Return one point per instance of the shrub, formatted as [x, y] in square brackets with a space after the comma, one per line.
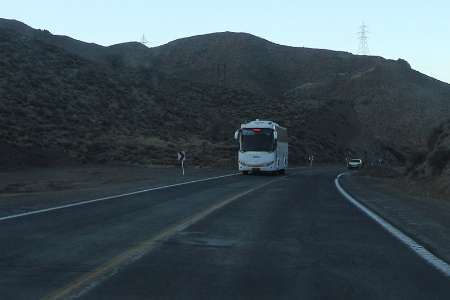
[438, 160]
[415, 160]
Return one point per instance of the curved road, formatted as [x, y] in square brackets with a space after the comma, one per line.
[237, 237]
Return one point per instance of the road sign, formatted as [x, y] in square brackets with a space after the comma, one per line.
[182, 157]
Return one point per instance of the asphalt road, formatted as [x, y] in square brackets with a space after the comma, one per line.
[238, 237]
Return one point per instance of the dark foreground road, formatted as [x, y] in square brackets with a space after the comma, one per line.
[240, 237]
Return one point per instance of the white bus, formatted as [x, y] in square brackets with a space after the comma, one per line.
[263, 146]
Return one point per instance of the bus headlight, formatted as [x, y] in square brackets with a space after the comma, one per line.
[268, 164]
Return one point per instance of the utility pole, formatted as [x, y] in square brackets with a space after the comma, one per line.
[144, 41]
[363, 48]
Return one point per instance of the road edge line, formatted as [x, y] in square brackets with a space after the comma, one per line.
[80, 203]
[436, 262]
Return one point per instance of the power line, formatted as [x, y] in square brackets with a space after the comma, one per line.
[363, 47]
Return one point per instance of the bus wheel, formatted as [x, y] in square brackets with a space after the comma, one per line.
[244, 172]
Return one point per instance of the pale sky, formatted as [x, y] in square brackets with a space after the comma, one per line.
[418, 31]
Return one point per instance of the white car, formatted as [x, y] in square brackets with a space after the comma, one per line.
[355, 163]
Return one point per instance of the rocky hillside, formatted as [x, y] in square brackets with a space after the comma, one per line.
[434, 163]
[54, 104]
[65, 100]
[397, 107]
[390, 108]
[241, 60]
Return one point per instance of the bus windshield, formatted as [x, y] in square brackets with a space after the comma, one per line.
[257, 139]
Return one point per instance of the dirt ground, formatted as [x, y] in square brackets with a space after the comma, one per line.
[408, 205]
[32, 180]
[393, 182]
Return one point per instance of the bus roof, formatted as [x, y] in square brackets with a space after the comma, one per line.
[261, 124]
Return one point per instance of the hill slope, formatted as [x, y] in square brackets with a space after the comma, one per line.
[395, 107]
[128, 102]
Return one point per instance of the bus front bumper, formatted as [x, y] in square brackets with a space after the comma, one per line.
[258, 168]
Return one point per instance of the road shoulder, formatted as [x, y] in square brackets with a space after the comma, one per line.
[425, 219]
[88, 182]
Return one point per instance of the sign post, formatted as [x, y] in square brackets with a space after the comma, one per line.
[182, 157]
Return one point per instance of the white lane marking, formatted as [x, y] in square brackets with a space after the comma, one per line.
[40, 211]
[420, 250]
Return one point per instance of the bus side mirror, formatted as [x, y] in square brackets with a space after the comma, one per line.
[275, 135]
[236, 134]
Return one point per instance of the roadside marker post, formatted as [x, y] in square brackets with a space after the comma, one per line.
[182, 157]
